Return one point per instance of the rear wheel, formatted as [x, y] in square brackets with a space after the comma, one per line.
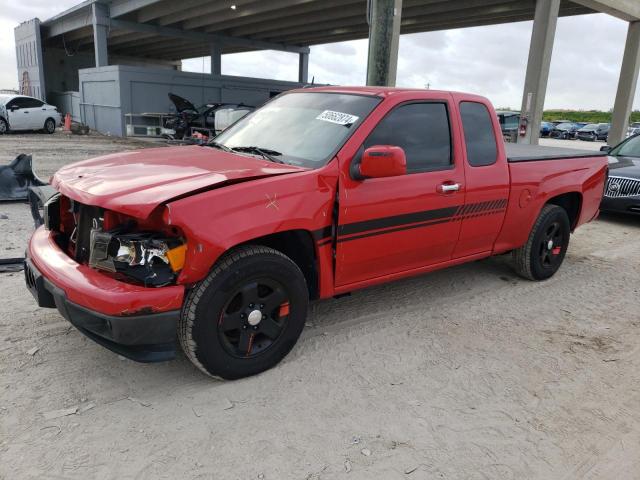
[50, 125]
[246, 315]
[546, 247]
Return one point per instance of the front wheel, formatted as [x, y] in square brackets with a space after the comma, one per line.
[4, 126]
[542, 255]
[246, 315]
[50, 125]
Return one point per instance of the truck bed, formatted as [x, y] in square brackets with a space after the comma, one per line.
[518, 152]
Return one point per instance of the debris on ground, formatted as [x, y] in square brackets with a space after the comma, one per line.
[227, 404]
[139, 402]
[347, 465]
[17, 177]
[32, 351]
[366, 452]
[410, 470]
[11, 264]
[4, 216]
[64, 412]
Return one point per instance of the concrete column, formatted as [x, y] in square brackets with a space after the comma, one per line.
[535, 82]
[303, 67]
[626, 85]
[216, 59]
[384, 38]
[100, 20]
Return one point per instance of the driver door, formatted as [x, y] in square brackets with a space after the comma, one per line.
[396, 224]
[18, 116]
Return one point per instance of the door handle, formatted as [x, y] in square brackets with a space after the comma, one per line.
[449, 187]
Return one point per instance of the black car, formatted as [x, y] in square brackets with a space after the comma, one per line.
[622, 191]
[210, 118]
[564, 131]
[593, 132]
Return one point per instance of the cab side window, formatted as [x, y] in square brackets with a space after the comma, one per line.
[422, 131]
[478, 134]
[18, 102]
[32, 103]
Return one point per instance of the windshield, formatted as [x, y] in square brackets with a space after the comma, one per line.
[303, 128]
[628, 148]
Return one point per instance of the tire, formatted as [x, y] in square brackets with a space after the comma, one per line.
[219, 329]
[49, 125]
[538, 259]
[4, 126]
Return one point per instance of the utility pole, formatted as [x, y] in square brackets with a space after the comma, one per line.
[384, 18]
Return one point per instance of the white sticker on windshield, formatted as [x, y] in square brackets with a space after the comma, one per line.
[337, 117]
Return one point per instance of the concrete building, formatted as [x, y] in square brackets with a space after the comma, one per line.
[104, 58]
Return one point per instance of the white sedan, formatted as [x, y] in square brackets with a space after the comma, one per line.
[18, 112]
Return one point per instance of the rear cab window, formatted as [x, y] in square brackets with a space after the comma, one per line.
[422, 130]
[479, 137]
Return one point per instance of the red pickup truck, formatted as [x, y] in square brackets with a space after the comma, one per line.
[320, 192]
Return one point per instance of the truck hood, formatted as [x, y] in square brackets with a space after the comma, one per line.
[136, 182]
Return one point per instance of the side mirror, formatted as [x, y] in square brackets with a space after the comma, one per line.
[605, 148]
[13, 108]
[383, 161]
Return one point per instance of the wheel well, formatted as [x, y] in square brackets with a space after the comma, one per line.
[572, 203]
[299, 246]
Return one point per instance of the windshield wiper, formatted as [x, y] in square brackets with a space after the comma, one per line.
[219, 146]
[263, 152]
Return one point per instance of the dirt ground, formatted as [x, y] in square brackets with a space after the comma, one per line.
[467, 373]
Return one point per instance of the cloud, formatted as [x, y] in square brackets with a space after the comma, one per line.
[488, 60]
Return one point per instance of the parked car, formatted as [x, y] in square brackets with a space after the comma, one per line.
[633, 129]
[593, 132]
[19, 112]
[545, 128]
[320, 192]
[509, 122]
[622, 193]
[209, 118]
[565, 131]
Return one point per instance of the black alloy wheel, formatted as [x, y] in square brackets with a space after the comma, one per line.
[541, 257]
[246, 315]
[254, 318]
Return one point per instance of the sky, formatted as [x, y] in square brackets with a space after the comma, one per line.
[489, 61]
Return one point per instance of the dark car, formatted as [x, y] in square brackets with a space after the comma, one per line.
[622, 191]
[564, 131]
[545, 128]
[593, 132]
[210, 118]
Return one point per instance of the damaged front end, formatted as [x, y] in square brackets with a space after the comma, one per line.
[136, 251]
[145, 257]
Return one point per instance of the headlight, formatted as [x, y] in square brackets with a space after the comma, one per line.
[149, 258]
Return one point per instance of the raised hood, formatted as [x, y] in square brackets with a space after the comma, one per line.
[136, 182]
[182, 104]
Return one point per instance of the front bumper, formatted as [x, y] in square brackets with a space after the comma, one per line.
[621, 205]
[136, 322]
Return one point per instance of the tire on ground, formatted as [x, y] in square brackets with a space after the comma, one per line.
[527, 260]
[198, 330]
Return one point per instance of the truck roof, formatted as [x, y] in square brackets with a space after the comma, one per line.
[377, 91]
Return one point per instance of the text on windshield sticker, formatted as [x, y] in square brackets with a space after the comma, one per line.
[337, 117]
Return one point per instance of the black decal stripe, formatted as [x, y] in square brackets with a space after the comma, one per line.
[393, 230]
[324, 242]
[397, 220]
[322, 233]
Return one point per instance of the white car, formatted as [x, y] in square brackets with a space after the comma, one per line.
[19, 112]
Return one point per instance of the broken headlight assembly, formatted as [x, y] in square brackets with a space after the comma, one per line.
[149, 258]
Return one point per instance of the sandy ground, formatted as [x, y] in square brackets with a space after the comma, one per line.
[467, 373]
